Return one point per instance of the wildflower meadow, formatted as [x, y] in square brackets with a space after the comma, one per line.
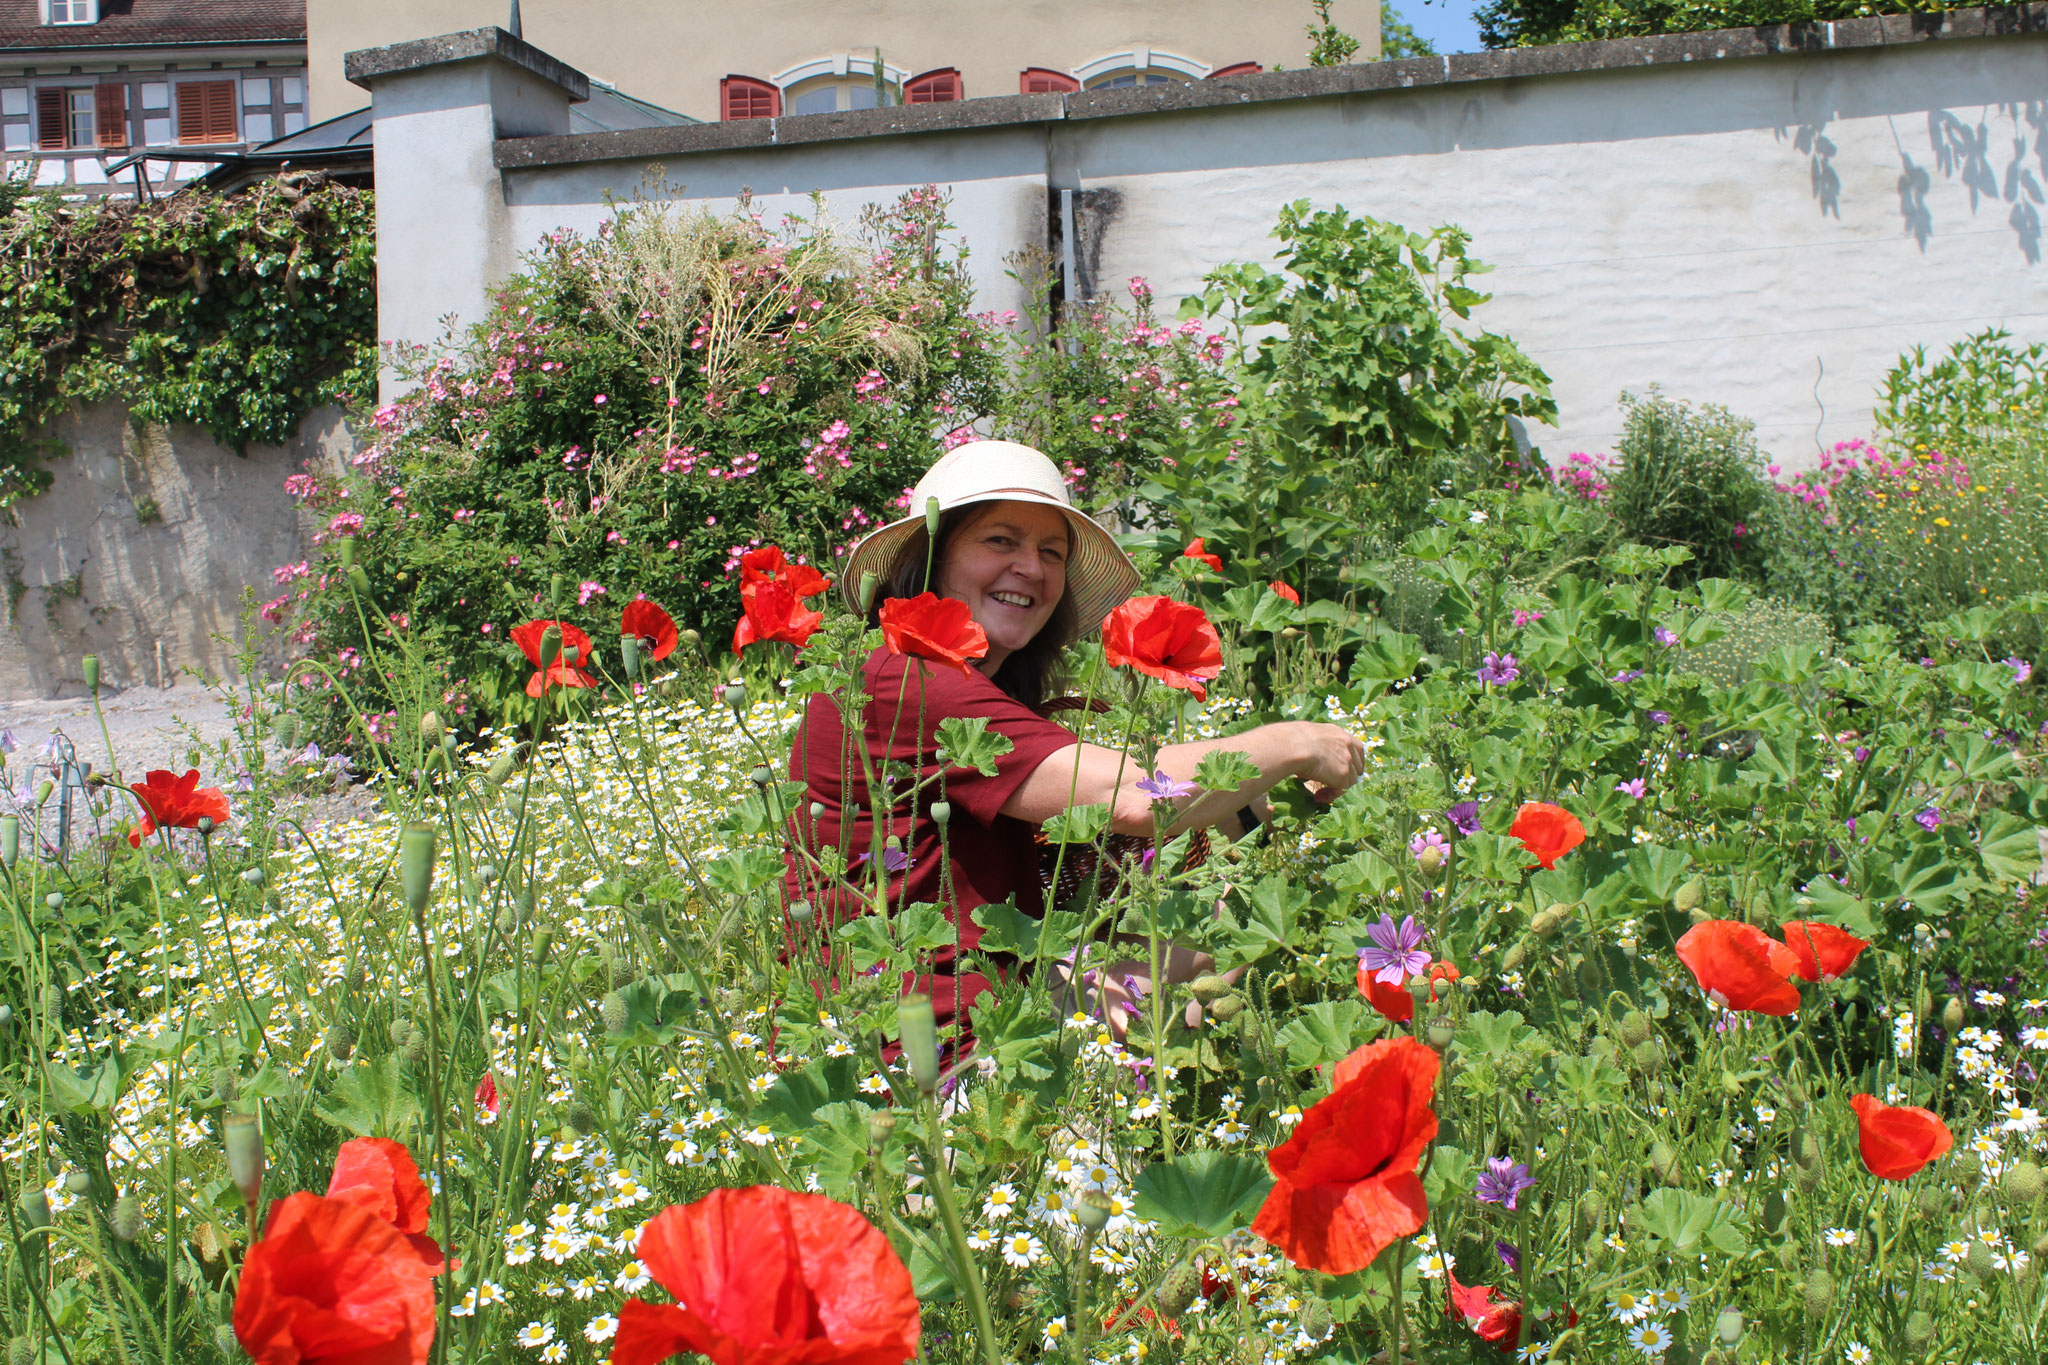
[1668, 990]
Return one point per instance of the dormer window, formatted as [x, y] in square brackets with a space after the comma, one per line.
[71, 11]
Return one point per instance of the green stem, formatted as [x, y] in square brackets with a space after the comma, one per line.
[949, 1214]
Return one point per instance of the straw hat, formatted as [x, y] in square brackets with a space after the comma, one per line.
[1099, 575]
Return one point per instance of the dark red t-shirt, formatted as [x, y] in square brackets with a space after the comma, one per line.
[989, 856]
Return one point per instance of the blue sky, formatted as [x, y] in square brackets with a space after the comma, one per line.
[1446, 23]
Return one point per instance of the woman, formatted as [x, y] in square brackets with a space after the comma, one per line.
[1036, 575]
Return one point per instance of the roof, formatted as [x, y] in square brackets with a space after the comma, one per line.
[140, 23]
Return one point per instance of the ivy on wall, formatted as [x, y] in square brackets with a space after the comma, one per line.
[236, 313]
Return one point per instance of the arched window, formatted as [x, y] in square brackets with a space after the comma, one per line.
[744, 97]
[934, 87]
[1241, 69]
[1039, 80]
[843, 81]
[1139, 66]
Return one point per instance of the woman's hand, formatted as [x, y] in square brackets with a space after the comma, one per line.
[1335, 758]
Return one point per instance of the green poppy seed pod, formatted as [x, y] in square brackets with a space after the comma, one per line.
[1919, 1332]
[543, 939]
[10, 840]
[431, 727]
[1441, 1032]
[802, 912]
[558, 587]
[931, 517]
[736, 696]
[919, 1034]
[345, 552]
[1209, 989]
[581, 1119]
[1093, 1210]
[89, 666]
[78, 1183]
[2023, 1184]
[43, 791]
[1227, 1009]
[1774, 1211]
[612, 1009]
[690, 638]
[1687, 898]
[880, 1128]
[550, 647]
[252, 875]
[629, 657]
[244, 1142]
[204, 824]
[817, 810]
[1981, 1261]
[6, 1017]
[126, 1219]
[341, 1042]
[1952, 1014]
[500, 770]
[1648, 1057]
[1933, 1201]
[1550, 919]
[869, 585]
[942, 813]
[1177, 1291]
[1819, 1293]
[35, 1207]
[55, 900]
[1728, 1326]
[760, 776]
[418, 846]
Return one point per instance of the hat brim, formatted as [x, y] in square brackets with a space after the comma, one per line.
[1100, 576]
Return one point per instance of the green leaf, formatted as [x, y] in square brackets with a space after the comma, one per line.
[1203, 1194]
[374, 1100]
[1834, 905]
[793, 1101]
[1590, 1082]
[2009, 847]
[1272, 907]
[1324, 1033]
[967, 742]
[834, 1144]
[1658, 871]
[1677, 1219]
[1019, 1033]
[743, 872]
[1978, 759]
[1223, 770]
[1006, 929]
[1078, 824]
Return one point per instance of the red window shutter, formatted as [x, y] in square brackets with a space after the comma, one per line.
[50, 120]
[111, 116]
[934, 87]
[1038, 80]
[206, 112]
[744, 97]
[220, 111]
[1241, 69]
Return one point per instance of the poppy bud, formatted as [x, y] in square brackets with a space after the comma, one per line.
[10, 840]
[2040, 1248]
[1688, 897]
[35, 1207]
[89, 667]
[1550, 919]
[417, 847]
[582, 1119]
[244, 1142]
[869, 584]
[1805, 1147]
[1177, 1291]
[1952, 1014]
[1933, 1201]
[126, 1219]
[1516, 956]
[500, 770]
[515, 806]
[558, 585]
[1664, 1162]
[880, 1128]
[2023, 1183]
[341, 1042]
[1923, 1003]
[431, 728]
[1919, 1331]
[1093, 1210]
[22, 1351]
[614, 1012]
[1981, 1261]
[1227, 1009]
[802, 912]
[227, 1086]
[1728, 1326]
[942, 813]
[6, 1017]
[1209, 989]
[629, 656]
[919, 1034]
[543, 939]
[1774, 1211]
[1819, 1293]
[1648, 1057]
[78, 1183]
[507, 921]
[43, 791]
[690, 638]
[1589, 974]
[345, 552]
[931, 517]
[1316, 1319]
[1969, 1166]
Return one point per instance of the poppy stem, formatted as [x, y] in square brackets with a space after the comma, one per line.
[956, 1233]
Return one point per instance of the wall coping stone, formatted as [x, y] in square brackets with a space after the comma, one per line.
[1019, 111]
[370, 64]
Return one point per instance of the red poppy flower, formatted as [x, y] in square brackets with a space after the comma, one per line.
[1171, 641]
[379, 1175]
[1897, 1140]
[1196, 551]
[331, 1283]
[1548, 832]
[654, 628]
[1392, 1000]
[567, 668]
[933, 627]
[1284, 591]
[179, 802]
[769, 565]
[1825, 952]
[487, 1094]
[1496, 1324]
[766, 1276]
[1345, 1181]
[1740, 966]
[775, 614]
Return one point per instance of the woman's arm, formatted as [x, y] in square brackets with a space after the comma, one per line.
[1089, 774]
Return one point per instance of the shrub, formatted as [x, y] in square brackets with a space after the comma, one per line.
[1687, 476]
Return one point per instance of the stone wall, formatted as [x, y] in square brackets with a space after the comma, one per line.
[142, 548]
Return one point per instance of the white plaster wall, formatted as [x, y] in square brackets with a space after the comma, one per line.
[1770, 234]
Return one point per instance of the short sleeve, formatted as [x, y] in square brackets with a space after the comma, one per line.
[911, 698]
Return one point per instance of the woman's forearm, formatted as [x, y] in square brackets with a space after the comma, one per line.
[1278, 751]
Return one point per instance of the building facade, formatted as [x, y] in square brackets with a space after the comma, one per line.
[715, 60]
[113, 96]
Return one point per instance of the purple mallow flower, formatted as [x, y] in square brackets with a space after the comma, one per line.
[896, 860]
[1930, 818]
[1396, 950]
[2021, 669]
[1160, 787]
[1509, 1255]
[1502, 1182]
[1633, 787]
[1666, 637]
[1627, 675]
[1464, 817]
[1427, 840]
[1660, 718]
[1498, 670]
[1862, 753]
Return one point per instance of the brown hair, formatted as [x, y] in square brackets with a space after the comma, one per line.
[1030, 674]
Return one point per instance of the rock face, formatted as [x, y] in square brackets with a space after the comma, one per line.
[142, 547]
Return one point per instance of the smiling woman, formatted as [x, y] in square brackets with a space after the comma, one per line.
[992, 532]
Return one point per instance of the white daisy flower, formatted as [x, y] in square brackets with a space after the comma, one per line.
[1859, 1354]
[535, 1335]
[1627, 1307]
[1652, 1338]
[1023, 1250]
[600, 1328]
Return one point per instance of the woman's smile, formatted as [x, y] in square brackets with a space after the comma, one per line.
[1009, 565]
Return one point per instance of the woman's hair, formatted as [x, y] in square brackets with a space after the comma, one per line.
[1031, 674]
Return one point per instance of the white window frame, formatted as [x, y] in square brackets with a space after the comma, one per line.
[1140, 59]
[72, 11]
[840, 65]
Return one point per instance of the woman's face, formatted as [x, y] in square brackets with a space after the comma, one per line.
[1009, 565]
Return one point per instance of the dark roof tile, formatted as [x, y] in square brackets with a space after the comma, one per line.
[123, 22]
